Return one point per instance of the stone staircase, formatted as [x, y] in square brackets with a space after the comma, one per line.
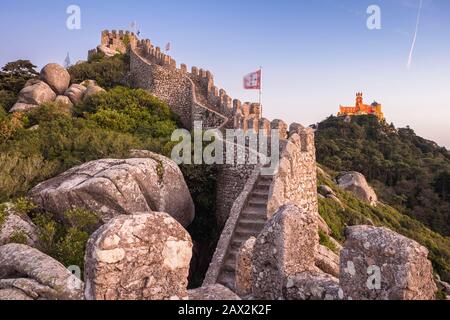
[250, 223]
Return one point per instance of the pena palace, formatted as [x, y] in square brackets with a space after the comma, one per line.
[362, 109]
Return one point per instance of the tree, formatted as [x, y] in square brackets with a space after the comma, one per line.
[14, 75]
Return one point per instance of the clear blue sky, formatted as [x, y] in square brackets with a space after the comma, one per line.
[316, 54]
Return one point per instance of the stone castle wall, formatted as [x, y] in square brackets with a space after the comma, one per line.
[167, 84]
[296, 179]
[118, 40]
[194, 97]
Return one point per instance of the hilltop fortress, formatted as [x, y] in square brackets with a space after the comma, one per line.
[362, 109]
[246, 199]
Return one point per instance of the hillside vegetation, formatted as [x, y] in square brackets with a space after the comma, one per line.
[409, 173]
[352, 211]
[49, 140]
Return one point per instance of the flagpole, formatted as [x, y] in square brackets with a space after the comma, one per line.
[260, 92]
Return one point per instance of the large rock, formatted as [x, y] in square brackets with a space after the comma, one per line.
[64, 101]
[215, 292]
[327, 261]
[311, 285]
[379, 264]
[92, 90]
[140, 257]
[115, 187]
[36, 94]
[356, 183]
[37, 275]
[17, 226]
[75, 93]
[285, 247]
[11, 294]
[56, 77]
[325, 190]
[244, 270]
[22, 107]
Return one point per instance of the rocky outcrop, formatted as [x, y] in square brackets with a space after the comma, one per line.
[115, 187]
[64, 100]
[356, 183]
[325, 190]
[22, 107]
[25, 271]
[244, 270]
[327, 261]
[17, 226]
[92, 90]
[33, 95]
[56, 77]
[215, 292]
[11, 294]
[311, 285]
[379, 264]
[139, 257]
[285, 247]
[53, 87]
[328, 193]
[75, 93]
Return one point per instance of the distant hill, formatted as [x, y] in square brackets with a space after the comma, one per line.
[409, 173]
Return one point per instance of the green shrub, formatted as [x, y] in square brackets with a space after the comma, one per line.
[7, 100]
[10, 125]
[47, 233]
[326, 242]
[82, 219]
[107, 72]
[23, 206]
[18, 237]
[66, 240]
[3, 214]
[70, 249]
[131, 111]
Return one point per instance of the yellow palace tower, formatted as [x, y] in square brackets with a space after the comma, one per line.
[362, 109]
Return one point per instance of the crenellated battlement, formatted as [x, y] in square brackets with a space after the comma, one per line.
[207, 92]
[209, 103]
[118, 40]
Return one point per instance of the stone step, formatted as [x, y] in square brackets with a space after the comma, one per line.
[253, 217]
[264, 183]
[256, 200]
[227, 279]
[266, 178]
[260, 195]
[237, 243]
[232, 254]
[246, 233]
[229, 265]
[255, 224]
[249, 210]
[262, 188]
[257, 205]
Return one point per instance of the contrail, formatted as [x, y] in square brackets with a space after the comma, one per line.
[415, 35]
